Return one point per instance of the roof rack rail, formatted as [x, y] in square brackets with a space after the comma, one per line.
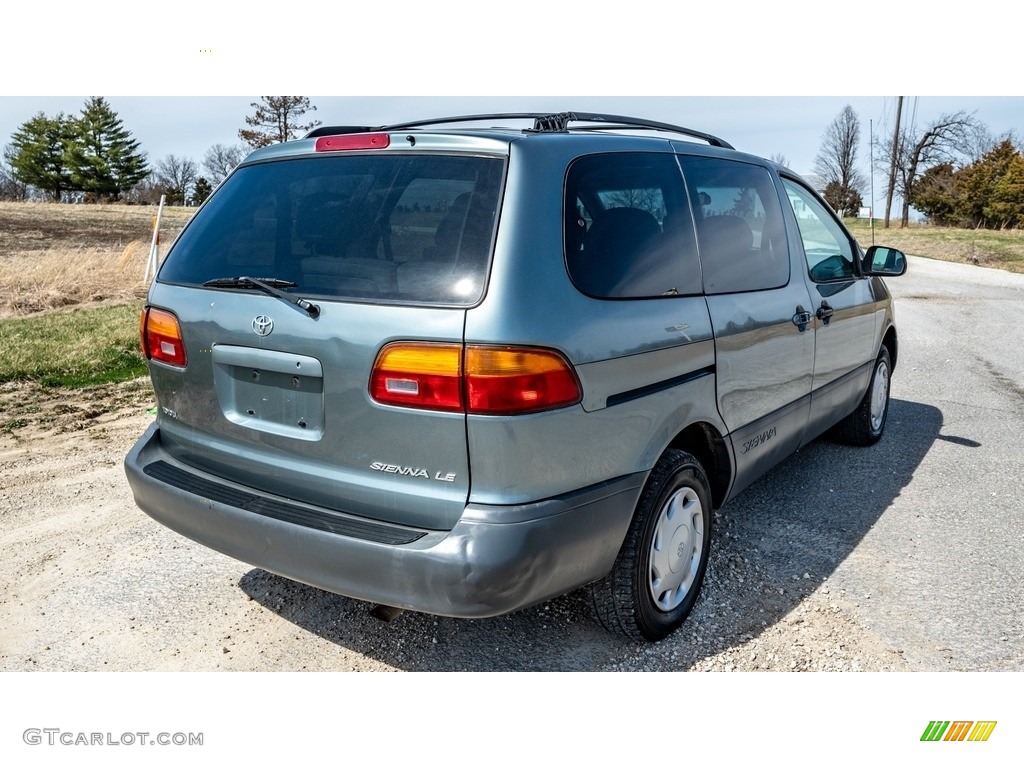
[334, 130]
[621, 122]
[542, 123]
[466, 119]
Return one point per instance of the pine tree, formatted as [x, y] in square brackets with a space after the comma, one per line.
[935, 194]
[200, 191]
[975, 184]
[39, 153]
[846, 202]
[104, 158]
[276, 120]
[1006, 206]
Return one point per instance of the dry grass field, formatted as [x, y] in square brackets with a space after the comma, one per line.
[71, 286]
[1001, 249]
[54, 255]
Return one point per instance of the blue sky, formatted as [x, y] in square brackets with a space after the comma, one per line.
[762, 125]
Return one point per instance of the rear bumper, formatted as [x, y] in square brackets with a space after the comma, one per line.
[496, 559]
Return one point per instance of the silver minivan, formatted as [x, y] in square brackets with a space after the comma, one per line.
[462, 369]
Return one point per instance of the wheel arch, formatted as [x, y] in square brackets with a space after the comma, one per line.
[890, 341]
[706, 444]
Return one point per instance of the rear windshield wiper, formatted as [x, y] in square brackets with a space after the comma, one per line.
[271, 285]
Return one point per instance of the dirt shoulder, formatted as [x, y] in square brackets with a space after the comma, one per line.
[30, 414]
[89, 582]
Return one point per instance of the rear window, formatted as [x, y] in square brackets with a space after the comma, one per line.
[414, 229]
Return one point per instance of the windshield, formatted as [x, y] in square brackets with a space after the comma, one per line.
[414, 229]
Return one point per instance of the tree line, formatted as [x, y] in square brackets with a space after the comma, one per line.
[985, 194]
[952, 170]
[92, 157]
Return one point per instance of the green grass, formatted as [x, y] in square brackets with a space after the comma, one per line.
[80, 348]
[1003, 249]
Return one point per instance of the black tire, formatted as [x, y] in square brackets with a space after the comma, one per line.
[866, 424]
[625, 600]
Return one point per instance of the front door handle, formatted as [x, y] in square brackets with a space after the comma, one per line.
[825, 313]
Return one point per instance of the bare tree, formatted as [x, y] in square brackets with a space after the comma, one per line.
[781, 159]
[980, 142]
[945, 140]
[220, 160]
[10, 187]
[146, 192]
[176, 175]
[276, 119]
[836, 161]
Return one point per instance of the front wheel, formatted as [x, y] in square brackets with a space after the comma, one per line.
[865, 425]
[660, 568]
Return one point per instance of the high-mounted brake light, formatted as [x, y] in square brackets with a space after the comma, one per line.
[497, 381]
[352, 141]
[161, 339]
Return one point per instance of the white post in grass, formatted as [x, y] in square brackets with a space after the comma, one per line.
[154, 246]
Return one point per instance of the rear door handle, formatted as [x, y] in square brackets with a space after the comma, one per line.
[825, 313]
[802, 318]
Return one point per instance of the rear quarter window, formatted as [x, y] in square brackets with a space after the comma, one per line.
[628, 227]
[414, 229]
[739, 225]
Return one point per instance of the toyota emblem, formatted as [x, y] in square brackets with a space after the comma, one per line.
[262, 325]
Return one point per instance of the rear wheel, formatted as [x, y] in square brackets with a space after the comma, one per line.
[658, 573]
[865, 425]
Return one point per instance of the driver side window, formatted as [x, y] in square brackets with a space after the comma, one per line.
[828, 250]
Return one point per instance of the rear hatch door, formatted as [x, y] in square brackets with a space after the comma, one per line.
[384, 246]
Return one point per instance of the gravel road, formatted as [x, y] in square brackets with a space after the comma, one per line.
[904, 556]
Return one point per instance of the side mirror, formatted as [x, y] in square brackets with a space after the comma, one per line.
[884, 261]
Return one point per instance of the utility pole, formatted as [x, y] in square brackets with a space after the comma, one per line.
[871, 168]
[892, 161]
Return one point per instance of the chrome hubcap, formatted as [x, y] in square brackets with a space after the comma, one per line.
[879, 396]
[676, 548]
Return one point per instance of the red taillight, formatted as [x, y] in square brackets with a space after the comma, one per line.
[352, 141]
[161, 337]
[508, 380]
[498, 381]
